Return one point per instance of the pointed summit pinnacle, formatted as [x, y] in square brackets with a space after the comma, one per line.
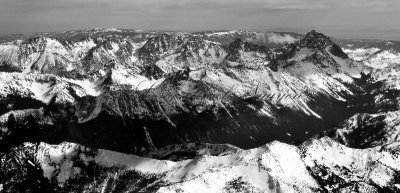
[314, 39]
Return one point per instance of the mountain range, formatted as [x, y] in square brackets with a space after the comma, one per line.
[119, 110]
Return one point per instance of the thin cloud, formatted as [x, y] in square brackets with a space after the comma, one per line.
[274, 38]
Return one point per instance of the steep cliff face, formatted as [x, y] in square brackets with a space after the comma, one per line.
[175, 95]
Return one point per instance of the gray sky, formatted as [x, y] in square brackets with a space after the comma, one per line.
[379, 19]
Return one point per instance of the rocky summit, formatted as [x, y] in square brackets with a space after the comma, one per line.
[119, 110]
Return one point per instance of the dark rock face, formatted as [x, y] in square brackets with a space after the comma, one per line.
[365, 131]
[18, 103]
[240, 45]
[337, 51]
[157, 45]
[312, 40]
[315, 40]
[319, 41]
[21, 173]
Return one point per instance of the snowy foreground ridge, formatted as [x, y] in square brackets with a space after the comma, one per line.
[117, 110]
[318, 164]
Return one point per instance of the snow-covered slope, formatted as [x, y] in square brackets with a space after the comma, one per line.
[60, 57]
[317, 165]
[43, 87]
[375, 57]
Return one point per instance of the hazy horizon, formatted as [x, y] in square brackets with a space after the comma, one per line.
[361, 19]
